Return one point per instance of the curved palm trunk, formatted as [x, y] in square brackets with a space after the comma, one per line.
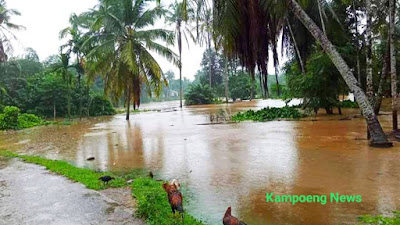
[378, 137]
[392, 13]
[3, 55]
[370, 87]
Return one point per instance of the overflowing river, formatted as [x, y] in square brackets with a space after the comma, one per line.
[235, 164]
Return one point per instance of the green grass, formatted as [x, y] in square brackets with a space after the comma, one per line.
[152, 201]
[152, 204]
[268, 114]
[87, 177]
[380, 220]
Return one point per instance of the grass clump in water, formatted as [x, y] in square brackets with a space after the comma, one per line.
[153, 206]
[267, 114]
[87, 177]
[380, 220]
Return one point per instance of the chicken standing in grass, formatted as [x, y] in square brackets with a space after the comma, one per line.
[174, 197]
[231, 220]
[106, 179]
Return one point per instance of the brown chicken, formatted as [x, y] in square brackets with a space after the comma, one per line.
[174, 197]
[231, 220]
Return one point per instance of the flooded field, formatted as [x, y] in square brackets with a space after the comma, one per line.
[235, 164]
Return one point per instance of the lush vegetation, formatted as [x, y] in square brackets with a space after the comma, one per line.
[199, 94]
[380, 220]
[152, 204]
[268, 114]
[37, 88]
[11, 118]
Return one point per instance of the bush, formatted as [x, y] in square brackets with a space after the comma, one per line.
[349, 104]
[199, 94]
[12, 119]
[101, 106]
[267, 114]
[28, 120]
[9, 118]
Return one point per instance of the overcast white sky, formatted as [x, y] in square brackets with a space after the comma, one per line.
[44, 19]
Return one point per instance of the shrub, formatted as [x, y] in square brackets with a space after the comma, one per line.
[9, 118]
[199, 94]
[349, 104]
[268, 114]
[28, 120]
[100, 105]
[12, 119]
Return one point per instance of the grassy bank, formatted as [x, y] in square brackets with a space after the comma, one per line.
[152, 204]
[87, 177]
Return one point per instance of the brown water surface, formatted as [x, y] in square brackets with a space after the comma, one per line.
[223, 164]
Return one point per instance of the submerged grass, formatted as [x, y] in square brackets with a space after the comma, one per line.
[267, 114]
[381, 220]
[152, 204]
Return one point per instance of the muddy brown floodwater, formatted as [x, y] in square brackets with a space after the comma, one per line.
[226, 164]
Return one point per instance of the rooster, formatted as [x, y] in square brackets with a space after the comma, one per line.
[174, 197]
[231, 220]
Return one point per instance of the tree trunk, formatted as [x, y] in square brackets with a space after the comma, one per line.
[321, 17]
[210, 59]
[392, 13]
[368, 31]
[226, 80]
[128, 103]
[303, 71]
[3, 55]
[54, 111]
[384, 73]
[180, 65]
[357, 43]
[262, 85]
[378, 137]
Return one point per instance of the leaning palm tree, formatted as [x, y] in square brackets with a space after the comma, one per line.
[120, 43]
[245, 46]
[178, 15]
[6, 28]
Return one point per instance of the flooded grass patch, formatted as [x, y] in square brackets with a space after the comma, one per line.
[152, 204]
[267, 114]
[377, 220]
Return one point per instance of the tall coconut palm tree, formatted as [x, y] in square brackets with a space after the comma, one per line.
[178, 15]
[6, 29]
[121, 42]
[245, 48]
